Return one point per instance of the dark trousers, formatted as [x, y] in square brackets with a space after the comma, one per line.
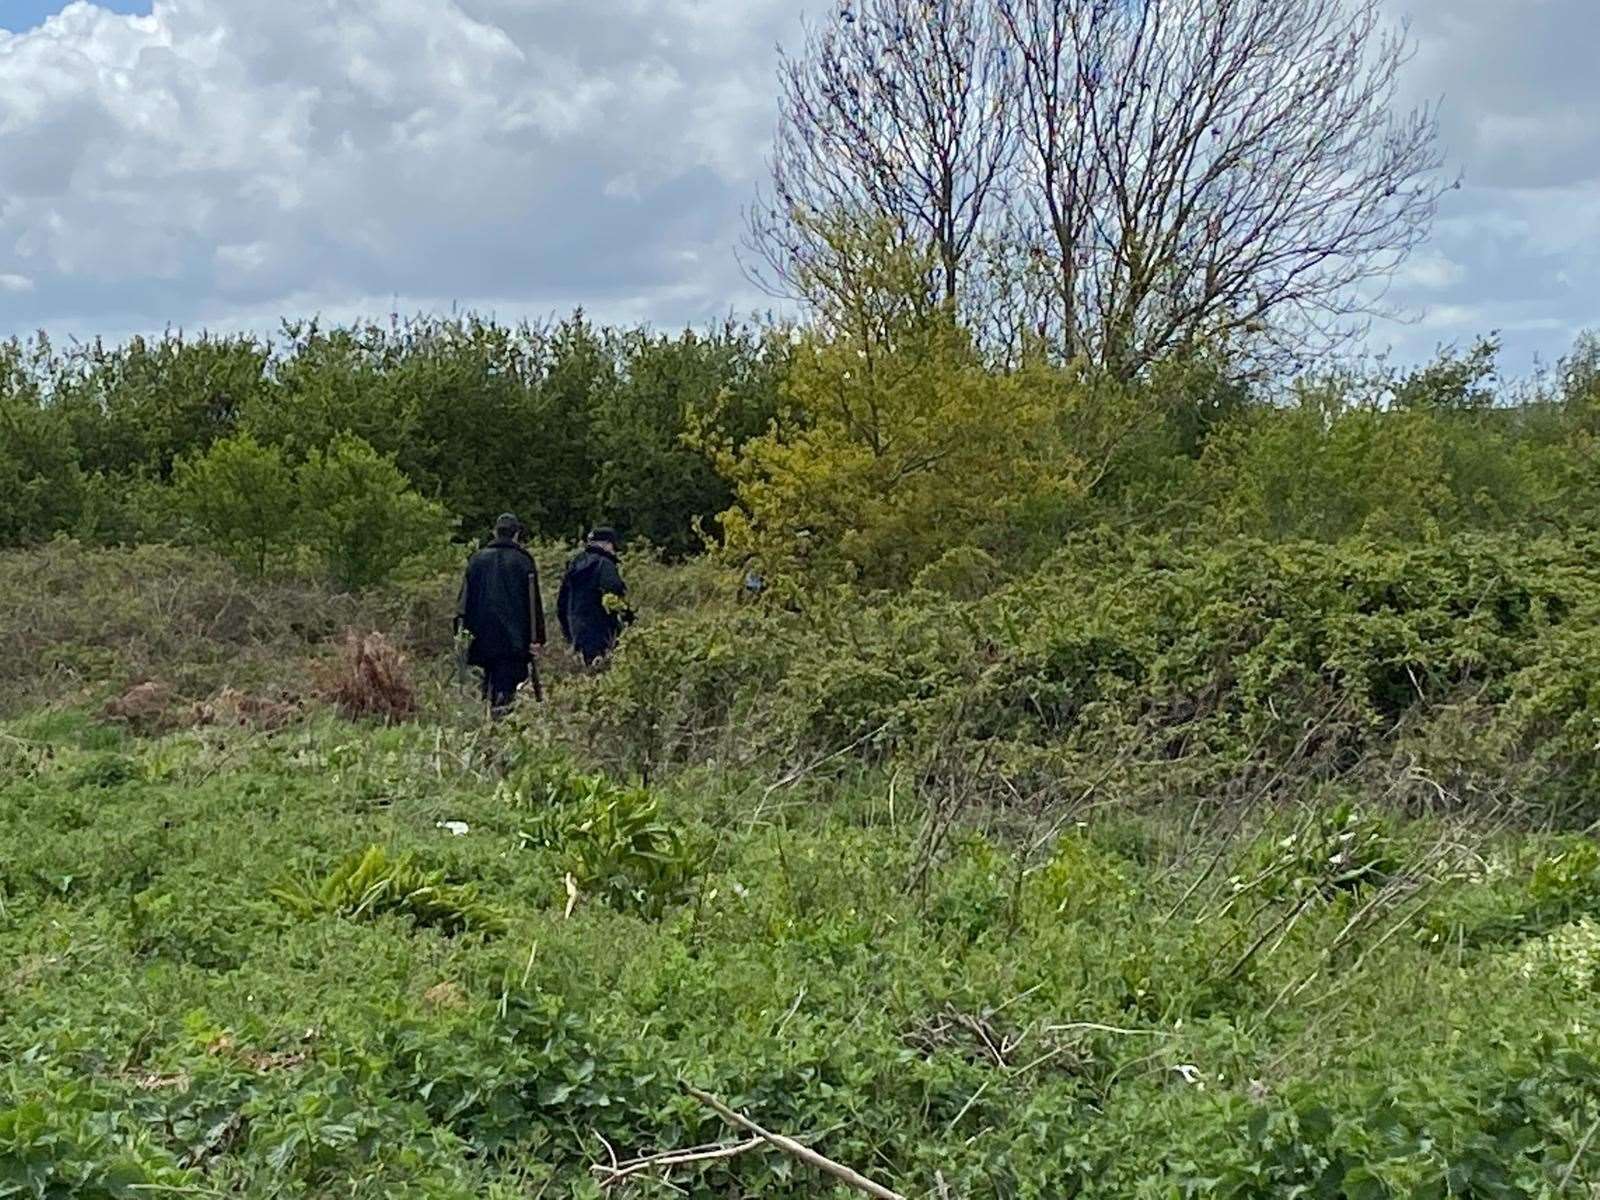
[593, 645]
[501, 678]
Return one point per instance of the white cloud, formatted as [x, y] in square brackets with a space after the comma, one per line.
[1428, 270]
[228, 156]
[1520, 118]
[227, 162]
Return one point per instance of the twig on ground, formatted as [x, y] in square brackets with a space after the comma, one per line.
[1096, 1027]
[789, 1016]
[981, 1031]
[1053, 1053]
[618, 1172]
[1017, 999]
[1572, 1166]
[793, 1148]
[967, 1107]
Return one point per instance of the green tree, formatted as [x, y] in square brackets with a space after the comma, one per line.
[139, 407]
[241, 496]
[558, 462]
[41, 485]
[1405, 456]
[328, 381]
[655, 480]
[895, 442]
[360, 516]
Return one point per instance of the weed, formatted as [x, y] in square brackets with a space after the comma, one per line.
[615, 845]
[371, 883]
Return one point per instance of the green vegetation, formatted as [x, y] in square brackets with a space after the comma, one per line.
[813, 454]
[1140, 775]
[1144, 788]
[563, 424]
[1171, 869]
[1065, 1023]
[1160, 781]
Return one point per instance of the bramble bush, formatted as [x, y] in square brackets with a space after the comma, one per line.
[1201, 661]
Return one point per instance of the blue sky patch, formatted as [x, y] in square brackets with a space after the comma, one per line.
[17, 15]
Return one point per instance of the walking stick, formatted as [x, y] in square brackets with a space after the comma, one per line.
[533, 677]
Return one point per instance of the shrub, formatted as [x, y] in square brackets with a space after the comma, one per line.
[41, 484]
[241, 496]
[359, 515]
[890, 415]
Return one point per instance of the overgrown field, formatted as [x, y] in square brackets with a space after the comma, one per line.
[1170, 871]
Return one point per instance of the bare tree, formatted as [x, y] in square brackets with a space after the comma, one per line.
[1204, 171]
[1129, 179]
[893, 110]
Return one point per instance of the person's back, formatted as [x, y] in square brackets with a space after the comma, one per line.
[589, 624]
[500, 607]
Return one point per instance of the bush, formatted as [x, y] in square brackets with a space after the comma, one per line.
[359, 516]
[242, 497]
[41, 484]
[890, 415]
[1193, 666]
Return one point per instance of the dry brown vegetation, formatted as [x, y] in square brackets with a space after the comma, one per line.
[371, 678]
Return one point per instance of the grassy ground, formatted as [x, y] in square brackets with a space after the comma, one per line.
[447, 959]
[194, 1000]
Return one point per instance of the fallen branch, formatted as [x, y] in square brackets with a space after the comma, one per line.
[617, 1172]
[1096, 1027]
[791, 1147]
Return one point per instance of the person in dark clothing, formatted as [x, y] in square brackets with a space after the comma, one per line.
[590, 624]
[500, 606]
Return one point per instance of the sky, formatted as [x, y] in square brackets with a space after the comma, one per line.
[225, 163]
[25, 14]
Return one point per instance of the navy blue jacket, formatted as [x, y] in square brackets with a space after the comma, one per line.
[586, 623]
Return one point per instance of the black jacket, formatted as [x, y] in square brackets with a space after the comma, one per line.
[585, 621]
[500, 604]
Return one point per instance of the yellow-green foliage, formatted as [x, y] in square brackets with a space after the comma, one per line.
[1082, 879]
[371, 883]
[895, 443]
[1407, 458]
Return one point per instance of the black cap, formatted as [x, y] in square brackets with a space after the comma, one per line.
[604, 534]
